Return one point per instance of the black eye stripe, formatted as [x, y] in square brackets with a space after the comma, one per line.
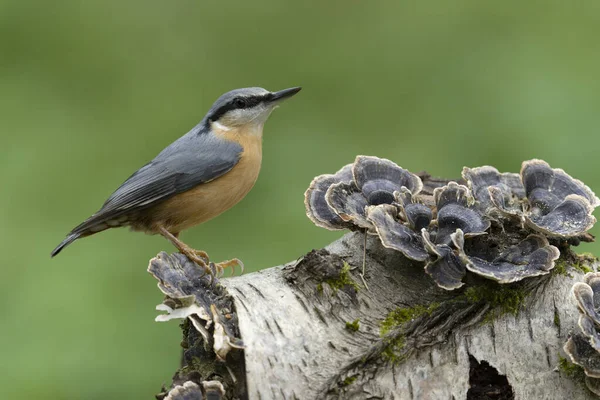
[250, 101]
[235, 104]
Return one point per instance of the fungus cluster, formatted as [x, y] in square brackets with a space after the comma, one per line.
[584, 347]
[455, 228]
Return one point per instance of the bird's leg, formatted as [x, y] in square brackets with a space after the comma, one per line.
[197, 256]
[185, 249]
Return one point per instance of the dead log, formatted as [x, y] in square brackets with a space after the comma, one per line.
[310, 329]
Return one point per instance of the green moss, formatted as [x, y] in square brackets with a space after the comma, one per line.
[584, 260]
[556, 319]
[353, 326]
[349, 380]
[583, 268]
[400, 316]
[588, 257]
[393, 350]
[194, 365]
[571, 370]
[560, 267]
[185, 330]
[567, 367]
[320, 288]
[502, 299]
[344, 279]
[396, 318]
[581, 262]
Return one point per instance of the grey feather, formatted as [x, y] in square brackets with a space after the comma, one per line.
[197, 157]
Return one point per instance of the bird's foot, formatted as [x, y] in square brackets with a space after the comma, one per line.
[198, 257]
[214, 269]
[201, 254]
[220, 267]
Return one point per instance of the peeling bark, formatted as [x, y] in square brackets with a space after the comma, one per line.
[298, 326]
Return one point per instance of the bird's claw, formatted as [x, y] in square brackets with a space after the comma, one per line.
[213, 269]
[201, 261]
[202, 255]
[230, 264]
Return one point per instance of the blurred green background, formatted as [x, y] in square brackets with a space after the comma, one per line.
[90, 91]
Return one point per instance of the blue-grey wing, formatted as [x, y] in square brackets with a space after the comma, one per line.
[193, 159]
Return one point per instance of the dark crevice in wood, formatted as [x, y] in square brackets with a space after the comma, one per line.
[486, 383]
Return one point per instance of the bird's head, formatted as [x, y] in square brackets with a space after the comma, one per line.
[246, 109]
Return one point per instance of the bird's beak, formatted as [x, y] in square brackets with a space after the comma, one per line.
[281, 95]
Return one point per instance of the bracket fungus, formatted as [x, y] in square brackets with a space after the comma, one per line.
[454, 205]
[533, 256]
[559, 204]
[446, 269]
[349, 203]
[210, 312]
[583, 347]
[394, 234]
[587, 294]
[339, 201]
[481, 179]
[555, 204]
[458, 229]
[317, 208]
[417, 215]
[379, 178]
[188, 391]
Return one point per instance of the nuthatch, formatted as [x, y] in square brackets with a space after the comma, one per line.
[199, 176]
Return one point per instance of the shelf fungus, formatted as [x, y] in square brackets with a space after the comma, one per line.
[455, 210]
[188, 391]
[394, 234]
[193, 295]
[587, 294]
[500, 226]
[533, 256]
[317, 209]
[339, 201]
[455, 213]
[446, 269]
[559, 205]
[417, 215]
[490, 187]
[379, 178]
[583, 347]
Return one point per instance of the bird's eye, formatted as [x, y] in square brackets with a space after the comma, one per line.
[239, 103]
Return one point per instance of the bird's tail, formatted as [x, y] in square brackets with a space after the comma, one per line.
[68, 240]
[90, 226]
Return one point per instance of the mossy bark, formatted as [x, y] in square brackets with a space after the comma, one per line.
[311, 330]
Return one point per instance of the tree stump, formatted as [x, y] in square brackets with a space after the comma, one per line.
[310, 329]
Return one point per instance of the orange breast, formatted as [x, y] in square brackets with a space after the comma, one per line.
[210, 199]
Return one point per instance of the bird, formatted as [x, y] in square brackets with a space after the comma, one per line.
[194, 179]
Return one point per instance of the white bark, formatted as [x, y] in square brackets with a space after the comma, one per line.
[297, 345]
